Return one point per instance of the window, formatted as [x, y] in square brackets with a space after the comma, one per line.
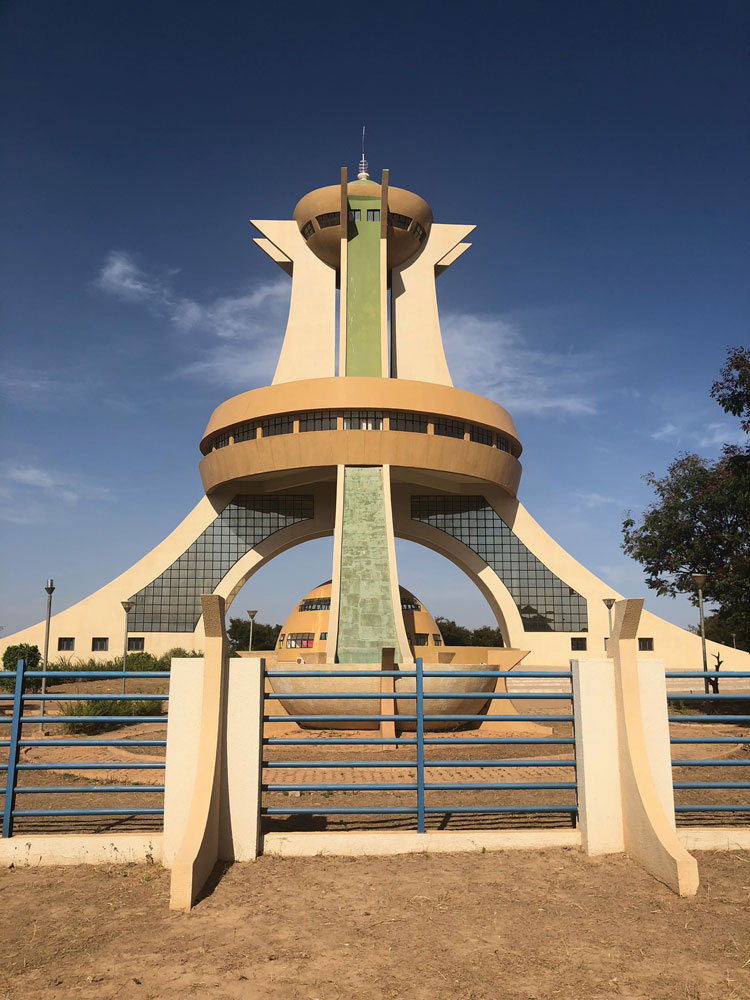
[66, 645]
[398, 221]
[606, 640]
[300, 640]
[323, 635]
[245, 432]
[420, 638]
[480, 434]
[221, 440]
[578, 644]
[277, 425]
[355, 214]
[99, 645]
[316, 604]
[449, 428]
[308, 230]
[415, 423]
[437, 638]
[373, 215]
[419, 232]
[645, 645]
[502, 443]
[136, 644]
[317, 420]
[329, 219]
[363, 420]
[281, 640]
[410, 604]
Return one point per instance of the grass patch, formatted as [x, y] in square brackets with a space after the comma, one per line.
[90, 707]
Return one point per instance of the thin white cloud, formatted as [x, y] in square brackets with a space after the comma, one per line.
[592, 499]
[666, 433]
[487, 355]
[32, 494]
[718, 434]
[243, 323]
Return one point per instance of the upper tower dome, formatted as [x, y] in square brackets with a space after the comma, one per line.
[408, 221]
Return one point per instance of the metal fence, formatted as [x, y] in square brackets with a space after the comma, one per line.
[422, 754]
[19, 773]
[700, 777]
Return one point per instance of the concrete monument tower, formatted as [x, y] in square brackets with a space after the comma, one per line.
[362, 435]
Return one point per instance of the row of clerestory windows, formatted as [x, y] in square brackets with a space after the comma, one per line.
[362, 420]
[395, 219]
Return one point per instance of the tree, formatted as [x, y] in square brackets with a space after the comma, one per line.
[33, 658]
[459, 635]
[700, 520]
[264, 636]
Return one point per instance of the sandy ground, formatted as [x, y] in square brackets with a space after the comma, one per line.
[521, 925]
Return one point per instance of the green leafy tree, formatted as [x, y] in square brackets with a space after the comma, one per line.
[459, 635]
[700, 520]
[11, 656]
[264, 636]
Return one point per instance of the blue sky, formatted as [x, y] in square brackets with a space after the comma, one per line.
[601, 148]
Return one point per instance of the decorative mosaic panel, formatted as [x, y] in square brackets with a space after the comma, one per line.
[172, 602]
[544, 601]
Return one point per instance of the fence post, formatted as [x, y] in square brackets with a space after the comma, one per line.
[15, 734]
[420, 745]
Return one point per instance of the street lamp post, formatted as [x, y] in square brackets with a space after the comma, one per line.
[699, 579]
[50, 588]
[251, 615]
[609, 604]
[127, 606]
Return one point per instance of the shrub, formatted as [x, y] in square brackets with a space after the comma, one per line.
[141, 661]
[11, 656]
[89, 707]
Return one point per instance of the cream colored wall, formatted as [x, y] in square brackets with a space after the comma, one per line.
[309, 346]
[417, 347]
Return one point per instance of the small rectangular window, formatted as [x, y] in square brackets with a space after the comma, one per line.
[373, 215]
[398, 221]
[329, 219]
[99, 645]
[317, 420]
[315, 604]
[410, 604]
[323, 635]
[578, 644]
[300, 640]
[437, 638]
[415, 423]
[449, 428]
[419, 232]
[363, 420]
[66, 645]
[645, 645]
[606, 640]
[277, 425]
[355, 214]
[480, 434]
[245, 432]
[308, 230]
[420, 638]
[281, 640]
[136, 644]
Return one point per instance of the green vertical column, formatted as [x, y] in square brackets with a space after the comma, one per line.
[363, 335]
[366, 615]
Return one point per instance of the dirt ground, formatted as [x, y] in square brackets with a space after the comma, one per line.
[521, 925]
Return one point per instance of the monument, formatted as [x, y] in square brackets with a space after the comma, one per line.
[361, 435]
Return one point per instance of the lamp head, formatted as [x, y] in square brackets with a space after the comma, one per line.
[699, 579]
[608, 602]
[128, 605]
[251, 614]
[50, 586]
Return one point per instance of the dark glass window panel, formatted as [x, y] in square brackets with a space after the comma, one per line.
[245, 432]
[99, 645]
[415, 423]
[300, 640]
[545, 603]
[355, 214]
[171, 603]
[277, 425]
[398, 221]
[329, 219]
[136, 643]
[410, 606]
[363, 420]
[449, 428]
[373, 215]
[420, 638]
[318, 420]
[419, 232]
[437, 638]
[578, 644]
[646, 645]
[221, 440]
[480, 434]
[308, 229]
[316, 604]
[66, 645]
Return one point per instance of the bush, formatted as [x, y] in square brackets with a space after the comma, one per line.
[33, 658]
[91, 707]
[141, 661]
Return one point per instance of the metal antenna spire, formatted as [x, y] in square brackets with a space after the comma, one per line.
[363, 175]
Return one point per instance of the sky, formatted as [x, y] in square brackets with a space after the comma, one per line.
[601, 148]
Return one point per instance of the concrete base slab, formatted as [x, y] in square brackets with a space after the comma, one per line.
[363, 843]
[714, 838]
[92, 849]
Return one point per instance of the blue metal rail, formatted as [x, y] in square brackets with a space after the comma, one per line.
[23, 700]
[416, 743]
[740, 802]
